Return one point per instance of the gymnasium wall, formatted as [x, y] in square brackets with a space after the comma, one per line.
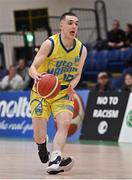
[120, 9]
[55, 7]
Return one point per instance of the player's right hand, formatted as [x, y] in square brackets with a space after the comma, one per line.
[38, 76]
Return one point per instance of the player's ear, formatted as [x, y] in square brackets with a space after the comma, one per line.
[61, 24]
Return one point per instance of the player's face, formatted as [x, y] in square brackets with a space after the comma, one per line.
[69, 26]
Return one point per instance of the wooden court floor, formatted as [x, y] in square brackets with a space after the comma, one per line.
[19, 160]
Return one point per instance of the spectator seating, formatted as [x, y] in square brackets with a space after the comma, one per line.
[117, 82]
[3, 72]
[127, 70]
[125, 54]
[99, 66]
[105, 60]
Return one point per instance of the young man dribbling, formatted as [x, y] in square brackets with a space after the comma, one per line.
[62, 55]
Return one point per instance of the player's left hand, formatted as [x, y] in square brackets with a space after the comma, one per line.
[71, 92]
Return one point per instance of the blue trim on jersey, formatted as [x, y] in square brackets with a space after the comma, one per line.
[67, 50]
[51, 47]
[81, 50]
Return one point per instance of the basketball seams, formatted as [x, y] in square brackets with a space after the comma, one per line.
[38, 84]
[53, 90]
[47, 86]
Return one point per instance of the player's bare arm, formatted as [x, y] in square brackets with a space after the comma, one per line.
[75, 81]
[39, 59]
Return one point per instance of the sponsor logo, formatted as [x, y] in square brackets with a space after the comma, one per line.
[15, 108]
[104, 113]
[129, 119]
[77, 59]
[22, 126]
[102, 127]
[39, 109]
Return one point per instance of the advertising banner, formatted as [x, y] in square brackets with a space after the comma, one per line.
[104, 115]
[74, 132]
[126, 130]
[15, 116]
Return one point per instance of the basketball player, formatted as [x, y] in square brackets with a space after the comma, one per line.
[62, 55]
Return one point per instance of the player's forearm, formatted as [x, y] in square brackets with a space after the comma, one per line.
[33, 72]
[75, 81]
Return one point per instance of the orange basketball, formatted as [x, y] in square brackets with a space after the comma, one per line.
[48, 86]
[76, 108]
[78, 115]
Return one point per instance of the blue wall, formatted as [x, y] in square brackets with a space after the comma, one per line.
[15, 117]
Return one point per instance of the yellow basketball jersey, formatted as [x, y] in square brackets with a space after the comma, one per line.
[62, 62]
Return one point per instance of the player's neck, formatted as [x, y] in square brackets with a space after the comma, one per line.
[67, 42]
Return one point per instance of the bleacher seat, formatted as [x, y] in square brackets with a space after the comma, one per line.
[3, 72]
[115, 66]
[127, 70]
[105, 60]
[125, 54]
[117, 82]
[89, 64]
[101, 60]
[113, 55]
[90, 76]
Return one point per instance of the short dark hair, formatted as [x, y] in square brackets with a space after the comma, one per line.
[117, 21]
[128, 73]
[67, 14]
[129, 25]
